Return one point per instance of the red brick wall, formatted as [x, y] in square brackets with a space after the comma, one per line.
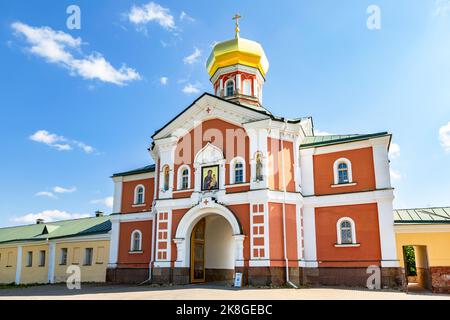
[128, 195]
[135, 260]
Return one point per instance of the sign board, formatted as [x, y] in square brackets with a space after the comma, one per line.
[238, 280]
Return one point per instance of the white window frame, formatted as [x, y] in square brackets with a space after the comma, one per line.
[226, 87]
[136, 194]
[63, 262]
[232, 169]
[42, 258]
[336, 170]
[132, 249]
[249, 92]
[339, 235]
[180, 177]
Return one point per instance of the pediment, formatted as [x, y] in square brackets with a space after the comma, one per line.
[209, 154]
[208, 107]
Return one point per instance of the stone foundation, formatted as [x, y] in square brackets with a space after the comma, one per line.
[440, 279]
[126, 275]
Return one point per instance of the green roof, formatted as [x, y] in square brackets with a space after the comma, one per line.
[149, 168]
[55, 230]
[436, 215]
[319, 141]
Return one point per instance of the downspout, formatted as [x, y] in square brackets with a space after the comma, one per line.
[155, 218]
[283, 175]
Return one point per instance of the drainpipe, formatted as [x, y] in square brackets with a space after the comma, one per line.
[283, 175]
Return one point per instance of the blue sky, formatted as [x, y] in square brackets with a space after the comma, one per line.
[74, 114]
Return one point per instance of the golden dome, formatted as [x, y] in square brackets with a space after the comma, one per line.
[237, 51]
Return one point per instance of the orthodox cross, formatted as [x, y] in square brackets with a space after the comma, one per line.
[236, 18]
[206, 202]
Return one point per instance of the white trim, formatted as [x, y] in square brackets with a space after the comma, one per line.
[336, 170]
[117, 202]
[136, 203]
[180, 178]
[421, 228]
[132, 241]
[343, 185]
[140, 216]
[338, 229]
[232, 170]
[139, 176]
[345, 245]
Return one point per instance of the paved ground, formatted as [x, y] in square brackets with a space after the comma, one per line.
[203, 292]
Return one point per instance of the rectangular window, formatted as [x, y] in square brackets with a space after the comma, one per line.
[63, 257]
[100, 255]
[88, 256]
[29, 258]
[76, 256]
[42, 258]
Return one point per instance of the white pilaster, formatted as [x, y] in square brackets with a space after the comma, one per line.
[309, 223]
[117, 204]
[238, 83]
[381, 163]
[51, 262]
[18, 264]
[387, 233]
[114, 243]
[307, 171]
[239, 250]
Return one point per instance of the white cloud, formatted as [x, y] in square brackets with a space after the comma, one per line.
[164, 80]
[45, 194]
[194, 57]
[59, 143]
[57, 47]
[444, 137]
[64, 190]
[48, 216]
[107, 202]
[395, 174]
[394, 150]
[152, 12]
[185, 17]
[322, 133]
[442, 8]
[191, 88]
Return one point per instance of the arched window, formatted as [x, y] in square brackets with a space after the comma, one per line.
[346, 231]
[166, 173]
[136, 241]
[229, 88]
[237, 170]
[247, 87]
[342, 171]
[139, 194]
[183, 178]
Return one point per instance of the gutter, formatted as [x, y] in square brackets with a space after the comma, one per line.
[152, 256]
[284, 210]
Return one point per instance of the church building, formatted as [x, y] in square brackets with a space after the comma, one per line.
[236, 188]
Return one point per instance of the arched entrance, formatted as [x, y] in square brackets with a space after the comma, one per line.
[209, 242]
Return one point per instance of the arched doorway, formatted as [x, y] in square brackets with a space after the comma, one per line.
[216, 250]
[212, 251]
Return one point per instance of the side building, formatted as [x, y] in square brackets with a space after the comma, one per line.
[41, 253]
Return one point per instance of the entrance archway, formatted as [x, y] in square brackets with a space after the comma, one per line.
[214, 255]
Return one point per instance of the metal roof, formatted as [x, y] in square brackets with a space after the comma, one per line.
[436, 215]
[55, 230]
[149, 168]
[319, 141]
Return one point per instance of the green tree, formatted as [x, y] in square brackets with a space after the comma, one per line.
[410, 259]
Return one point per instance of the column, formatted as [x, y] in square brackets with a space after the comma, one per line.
[239, 250]
[309, 231]
[18, 265]
[51, 262]
[114, 243]
[387, 234]
[307, 171]
[117, 204]
[381, 163]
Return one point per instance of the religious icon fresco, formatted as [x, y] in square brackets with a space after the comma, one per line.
[210, 178]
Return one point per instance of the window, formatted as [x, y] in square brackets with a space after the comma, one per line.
[42, 258]
[342, 171]
[9, 261]
[136, 241]
[139, 194]
[166, 173]
[238, 172]
[229, 88]
[88, 256]
[29, 258]
[247, 88]
[183, 178]
[63, 257]
[346, 231]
